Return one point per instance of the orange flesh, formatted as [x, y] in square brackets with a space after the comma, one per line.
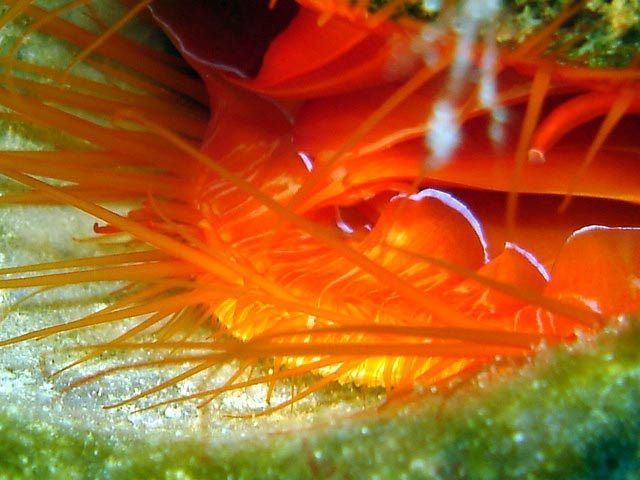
[332, 271]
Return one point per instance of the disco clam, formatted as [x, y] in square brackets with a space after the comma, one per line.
[371, 195]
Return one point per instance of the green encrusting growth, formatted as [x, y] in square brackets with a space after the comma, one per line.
[605, 33]
[574, 414]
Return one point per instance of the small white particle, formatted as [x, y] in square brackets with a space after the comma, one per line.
[443, 134]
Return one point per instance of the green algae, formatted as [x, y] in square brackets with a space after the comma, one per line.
[573, 413]
[604, 33]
